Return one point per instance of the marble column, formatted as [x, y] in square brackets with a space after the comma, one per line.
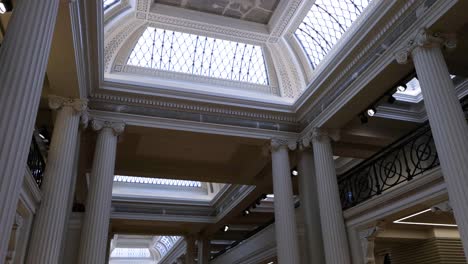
[335, 241]
[203, 251]
[309, 204]
[189, 250]
[446, 118]
[23, 59]
[285, 218]
[49, 223]
[95, 228]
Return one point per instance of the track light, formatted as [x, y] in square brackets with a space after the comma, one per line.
[401, 88]
[5, 6]
[363, 118]
[225, 228]
[371, 111]
[294, 172]
[246, 212]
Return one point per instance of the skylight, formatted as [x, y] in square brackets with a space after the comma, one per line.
[131, 253]
[108, 3]
[165, 243]
[144, 180]
[199, 55]
[324, 25]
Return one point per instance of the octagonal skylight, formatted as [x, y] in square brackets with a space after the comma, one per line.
[174, 51]
[324, 25]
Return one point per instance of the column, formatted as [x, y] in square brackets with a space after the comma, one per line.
[446, 118]
[49, 223]
[23, 59]
[335, 241]
[309, 204]
[189, 250]
[285, 218]
[203, 251]
[97, 215]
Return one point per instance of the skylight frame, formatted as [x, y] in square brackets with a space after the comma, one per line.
[336, 30]
[106, 4]
[233, 71]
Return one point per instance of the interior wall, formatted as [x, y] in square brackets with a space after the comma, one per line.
[430, 251]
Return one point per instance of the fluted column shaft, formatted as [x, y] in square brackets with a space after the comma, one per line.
[203, 251]
[309, 203]
[23, 58]
[335, 240]
[449, 129]
[285, 218]
[49, 223]
[97, 215]
[189, 250]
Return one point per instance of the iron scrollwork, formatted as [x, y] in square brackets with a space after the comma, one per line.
[412, 156]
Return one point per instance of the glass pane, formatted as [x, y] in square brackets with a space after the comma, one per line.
[324, 25]
[199, 55]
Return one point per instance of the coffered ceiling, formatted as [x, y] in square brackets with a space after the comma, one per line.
[258, 11]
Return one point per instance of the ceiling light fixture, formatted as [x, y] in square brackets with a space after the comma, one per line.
[371, 111]
[226, 228]
[246, 212]
[5, 6]
[294, 172]
[401, 88]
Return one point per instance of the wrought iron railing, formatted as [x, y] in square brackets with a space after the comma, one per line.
[411, 156]
[36, 162]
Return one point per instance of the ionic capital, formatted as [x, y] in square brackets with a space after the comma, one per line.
[425, 39]
[117, 127]
[321, 134]
[305, 141]
[58, 102]
[277, 143]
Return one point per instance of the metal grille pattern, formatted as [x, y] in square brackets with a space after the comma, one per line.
[36, 162]
[192, 54]
[324, 25]
[401, 162]
[108, 3]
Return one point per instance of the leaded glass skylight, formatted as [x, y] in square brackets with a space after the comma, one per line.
[324, 25]
[165, 243]
[108, 3]
[174, 51]
[144, 180]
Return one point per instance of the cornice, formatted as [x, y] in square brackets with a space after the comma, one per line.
[195, 107]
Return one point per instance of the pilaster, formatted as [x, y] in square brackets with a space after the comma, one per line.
[97, 215]
[49, 223]
[335, 240]
[285, 218]
[23, 59]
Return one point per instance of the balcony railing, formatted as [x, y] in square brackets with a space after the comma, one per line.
[36, 162]
[411, 156]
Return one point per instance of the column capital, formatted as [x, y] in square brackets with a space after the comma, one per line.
[320, 134]
[277, 143]
[117, 127]
[425, 39]
[58, 102]
[305, 141]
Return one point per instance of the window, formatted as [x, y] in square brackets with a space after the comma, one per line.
[198, 55]
[108, 3]
[144, 180]
[324, 25]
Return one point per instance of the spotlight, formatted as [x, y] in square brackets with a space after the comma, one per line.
[5, 6]
[363, 118]
[246, 212]
[294, 172]
[391, 99]
[371, 111]
[225, 228]
[401, 88]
